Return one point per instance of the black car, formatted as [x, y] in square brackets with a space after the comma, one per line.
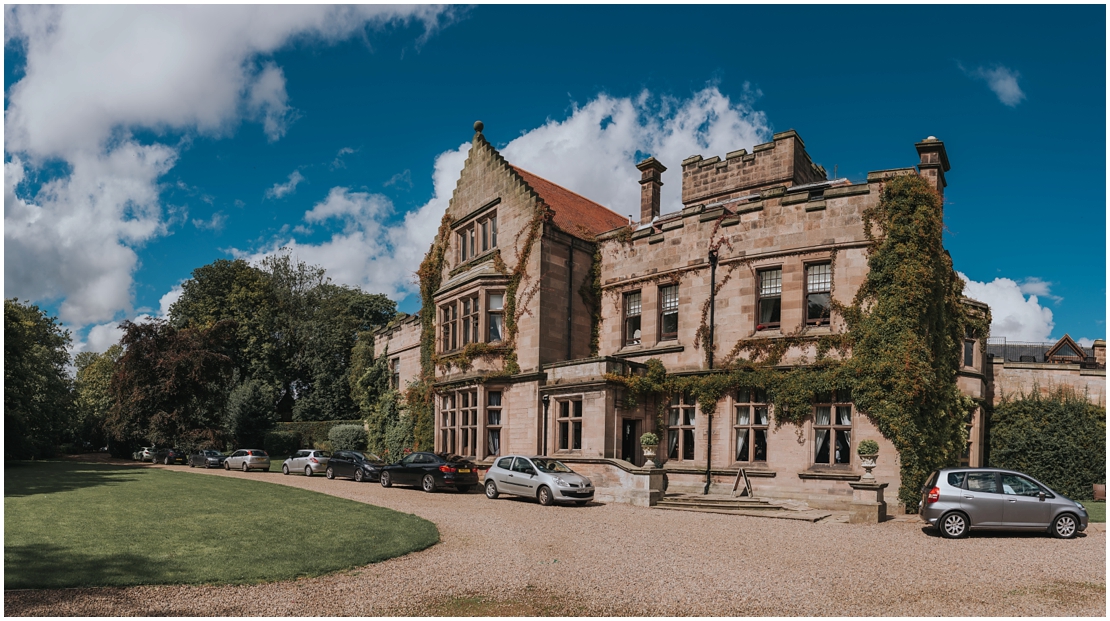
[170, 456]
[358, 466]
[431, 471]
[206, 459]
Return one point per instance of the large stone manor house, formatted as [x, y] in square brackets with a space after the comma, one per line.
[543, 390]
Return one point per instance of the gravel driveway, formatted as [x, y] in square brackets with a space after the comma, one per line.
[514, 557]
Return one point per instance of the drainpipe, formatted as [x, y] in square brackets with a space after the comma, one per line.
[709, 418]
[570, 294]
[546, 403]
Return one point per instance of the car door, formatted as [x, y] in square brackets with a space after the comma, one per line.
[234, 460]
[405, 471]
[340, 463]
[982, 499]
[499, 472]
[297, 461]
[519, 478]
[1023, 506]
[428, 464]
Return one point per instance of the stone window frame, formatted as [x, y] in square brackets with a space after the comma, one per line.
[491, 313]
[448, 419]
[835, 401]
[468, 243]
[468, 422]
[827, 319]
[568, 418]
[627, 306]
[747, 398]
[759, 297]
[682, 415]
[665, 309]
[449, 328]
[395, 372]
[487, 231]
[476, 238]
[469, 313]
[451, 318]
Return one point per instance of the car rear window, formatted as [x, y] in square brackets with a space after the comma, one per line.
[259, 453]
[323, 454]
[956, 479]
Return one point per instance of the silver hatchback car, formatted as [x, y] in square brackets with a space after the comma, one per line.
[309, 461]
[248, 459]
[547, 480]
[959, 500]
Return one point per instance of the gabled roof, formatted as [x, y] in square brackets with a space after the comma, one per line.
[1065, 348]
[574, 213]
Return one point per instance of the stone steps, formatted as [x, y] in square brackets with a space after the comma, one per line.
[774, 512]
[729, 505]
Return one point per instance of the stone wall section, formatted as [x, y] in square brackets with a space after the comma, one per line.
[402, 340]
[1012, 379]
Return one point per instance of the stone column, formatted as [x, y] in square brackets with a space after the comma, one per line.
[867, 506]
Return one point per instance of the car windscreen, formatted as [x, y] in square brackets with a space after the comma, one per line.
[551, 465]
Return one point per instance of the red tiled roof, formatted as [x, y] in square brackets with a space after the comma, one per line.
[575, 214]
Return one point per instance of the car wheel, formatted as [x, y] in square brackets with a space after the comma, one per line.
[385, 480]
[192, 465]
[308, 471]
[329, 473]
[1065, 526]
[545, 497]
[227, 466]
[358, 476]
[953, 525]
[246, 468]
[464, 489]
[285, 469]
[428, 483]
[491, 490]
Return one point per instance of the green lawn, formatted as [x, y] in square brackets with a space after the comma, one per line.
[1096, 511]
[70, 524]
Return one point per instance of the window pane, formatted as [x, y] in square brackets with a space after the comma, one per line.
[761, 415]
[673, 419]
[668, 298]
[844, 415]
[742, 445]
[493, 441]
[843, 453]
[822, 441]
[632, 330]
[496, 301]
[843, 395]
[493, 232]
[819, 278]
[770, 282]
[969, 353]
[743, 395]
[670, 323]
[823, 415]
[687, 444]
[577, 409]
[632, 304]
[494, 417]
[759, 396]
[760, 445]
[688, 416]
[495, 327]
[564, 429]
[494, 397]
[956, 479]
[817, 306]
[485, 236]
[769, 310]
[564, 409]
[743, 415]
[672, 444]
[577, 426]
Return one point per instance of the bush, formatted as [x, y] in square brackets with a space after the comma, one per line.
[868, 447]
[282, 442]
[649, 439]
[1058, 438]
[313, 434]
[347, 438]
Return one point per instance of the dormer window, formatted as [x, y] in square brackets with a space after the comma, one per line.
[477, 237]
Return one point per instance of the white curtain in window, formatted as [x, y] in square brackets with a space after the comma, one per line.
[742, 445]
[823, 415]
[743, 414]
[672, 442]
[822, 435]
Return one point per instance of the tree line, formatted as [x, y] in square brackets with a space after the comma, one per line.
[243, 347]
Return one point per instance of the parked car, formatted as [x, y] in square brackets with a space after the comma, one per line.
[145, 453]
[310, 461]
[170, 456]
[359, 466]
[547, 480]
[431, 471]
[248, 459]
[206, 459]
[959, 500]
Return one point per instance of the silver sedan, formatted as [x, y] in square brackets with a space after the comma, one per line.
[547, 480]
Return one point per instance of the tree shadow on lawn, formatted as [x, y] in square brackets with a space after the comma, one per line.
[22, 479]
[44, 566]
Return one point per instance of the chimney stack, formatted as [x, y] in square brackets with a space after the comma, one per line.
[934, 162]
[651, 187]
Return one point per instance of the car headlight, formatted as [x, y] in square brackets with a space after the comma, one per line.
[560, 482]
[1081, 506]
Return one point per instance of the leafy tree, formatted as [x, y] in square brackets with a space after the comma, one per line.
[93, 393]
[171, 384]
[1058, 438]
[250, 413]
[38, 399]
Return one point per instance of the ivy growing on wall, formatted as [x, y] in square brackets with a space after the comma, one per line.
[899, 354]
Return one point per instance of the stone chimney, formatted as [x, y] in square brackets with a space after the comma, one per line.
[651, 188]
[934, 162]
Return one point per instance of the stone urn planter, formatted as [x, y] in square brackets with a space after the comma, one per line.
[868, 451]
[649, 443]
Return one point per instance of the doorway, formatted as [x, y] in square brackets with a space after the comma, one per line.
[630, 441]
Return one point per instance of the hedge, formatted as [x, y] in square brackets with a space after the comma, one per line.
[314, 434]
[282, 442]
[1058, 439]
[347, 438]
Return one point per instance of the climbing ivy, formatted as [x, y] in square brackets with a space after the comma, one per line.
[899, 354]
[591, 297]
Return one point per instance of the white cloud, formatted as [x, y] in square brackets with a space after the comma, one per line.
[167, 300]
[338, 161]
[592, 152]
[1002, 80]
[281, 189]
[1013, 315]
[1038, 287]
[95, 74]
[1084, 342]
[403, 178]
[215, 223]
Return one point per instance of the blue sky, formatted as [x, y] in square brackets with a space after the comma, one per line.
[143, 142]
